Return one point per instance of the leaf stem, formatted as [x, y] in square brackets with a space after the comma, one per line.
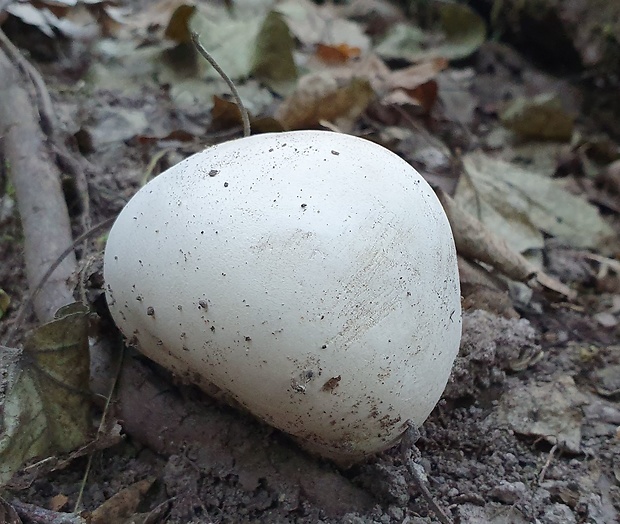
[205, 54]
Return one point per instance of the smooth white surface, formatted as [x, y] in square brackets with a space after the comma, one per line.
[309, 275]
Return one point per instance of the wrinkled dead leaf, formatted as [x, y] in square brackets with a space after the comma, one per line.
[107, 437]
[541, 117]
[45, 396]
[224, 115]
[552, 411]
[122, 505]
[312, 24]
[273, 62]
[320, 96]
[346, 90]
[519, 206]
[476, 242]
[413, 85]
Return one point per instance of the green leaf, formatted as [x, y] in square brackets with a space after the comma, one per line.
[230, 41]
[402, 41]
[273, 59]
[44, 393]
[540, 117]
[464, 31]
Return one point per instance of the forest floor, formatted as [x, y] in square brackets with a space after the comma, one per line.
[529, 426]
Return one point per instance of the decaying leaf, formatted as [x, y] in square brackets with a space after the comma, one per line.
[45, 397]
[320, 96]
[123, 504]
[312, 24]
[465, 31]
[414, 85]
[606, 381]
[336, 54]
[344, 91]
[551, 411]
[178, 25]
[124, 66]
[519, 205]
[230, 40]
[273, 62]
[476, 242]
[541, 117]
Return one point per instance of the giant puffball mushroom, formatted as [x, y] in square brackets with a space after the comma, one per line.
[310, 276]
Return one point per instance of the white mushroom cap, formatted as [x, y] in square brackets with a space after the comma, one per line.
[309, 275]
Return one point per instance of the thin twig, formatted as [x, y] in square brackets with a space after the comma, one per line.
[25, 307]
[544, 469]
[103, 421]
[205, 54]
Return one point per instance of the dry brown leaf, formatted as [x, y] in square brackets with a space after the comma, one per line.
[423, 96]
[475, 241]
[415, 75]
[472, 274]
[122, 505]
[225, 115]
[178, 25]
[483, 290]
[336, 54]
[414, 85]
[57, 502]
[322, 96]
